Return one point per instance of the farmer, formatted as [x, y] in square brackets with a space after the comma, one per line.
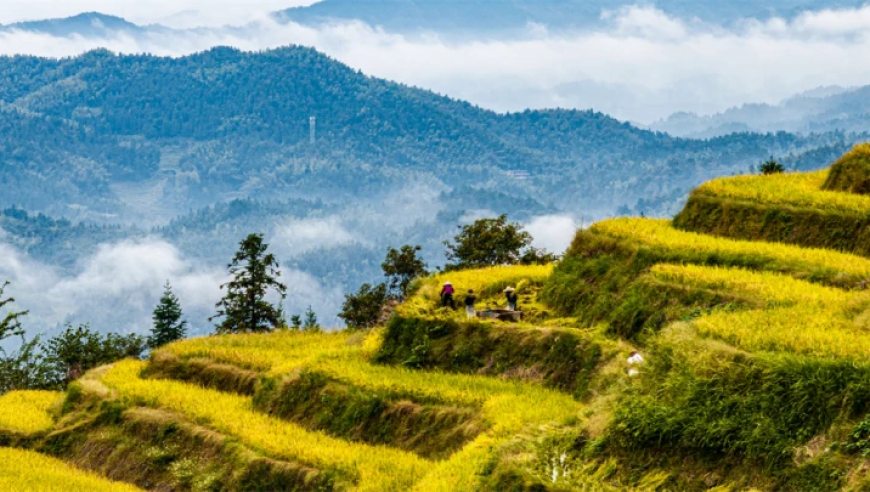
[510, 294]
[470, 299]
[447, 296]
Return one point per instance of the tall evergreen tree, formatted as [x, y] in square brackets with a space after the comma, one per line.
[168, 325]
[244, 307]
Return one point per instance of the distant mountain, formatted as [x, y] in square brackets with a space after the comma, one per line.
[110, 137]
[487, 15]
[90, 24]
[820, 110]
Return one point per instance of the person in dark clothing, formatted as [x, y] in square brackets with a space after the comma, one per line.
[511, 296]
[447, 296]
[470, 299]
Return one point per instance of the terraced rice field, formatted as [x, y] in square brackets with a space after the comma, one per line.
[508, 406]
[782, 257]
[800, 317]
[790, 189]
[26, 471]
[27, 411]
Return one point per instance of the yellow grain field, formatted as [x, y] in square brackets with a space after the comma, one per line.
[27, 411]
[26, 471]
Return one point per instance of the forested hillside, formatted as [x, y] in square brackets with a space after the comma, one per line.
[97, 130]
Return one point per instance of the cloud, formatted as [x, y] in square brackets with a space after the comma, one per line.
[302, 235]
[471, 216]
[553, 232]
[645, 22]
[117, 288]
[637, 64]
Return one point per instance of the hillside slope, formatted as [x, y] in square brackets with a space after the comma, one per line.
[104, 137]
[754, 377]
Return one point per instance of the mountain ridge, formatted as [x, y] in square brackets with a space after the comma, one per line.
[206, 114]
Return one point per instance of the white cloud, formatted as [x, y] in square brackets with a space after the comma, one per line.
[553, 232]
[638, 64]
[302, 235]
[646, 22]
[471, 216]
[834, 21]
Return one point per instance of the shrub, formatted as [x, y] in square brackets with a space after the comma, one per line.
[363, 309]
[771, 166]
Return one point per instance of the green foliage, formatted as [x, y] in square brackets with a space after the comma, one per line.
[10, 325]
[376, 417]
[716, 403]
[296, 321]
[602, 279]
[815, 228]
[560, 358]
[401, 267]
[168, 325]
[282, 315]
[244, 307]
[363, 309]
[310, 323]
[77, 350]
[55, 363]
[771, 166]
[859, 439]
[26, 368]
[488, 242]
[168, 452]
[538, 256]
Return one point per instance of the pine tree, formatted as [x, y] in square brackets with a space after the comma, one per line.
[244, 307]
[168, 325]
[282, 316]
[311, 321]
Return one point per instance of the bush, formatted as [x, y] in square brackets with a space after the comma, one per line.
[363, 309]
[77, 350]
[771, 166]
